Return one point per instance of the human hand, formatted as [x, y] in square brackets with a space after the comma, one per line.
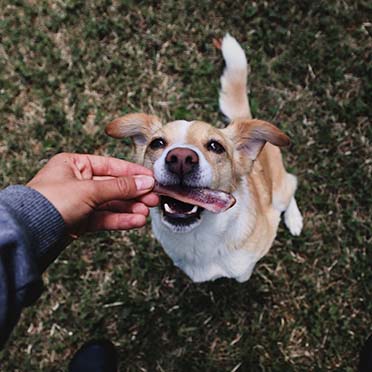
[95, 192]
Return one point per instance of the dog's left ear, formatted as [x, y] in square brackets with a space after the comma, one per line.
[139, 127]
[250, 135]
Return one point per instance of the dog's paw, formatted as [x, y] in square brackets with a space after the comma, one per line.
[293, 218]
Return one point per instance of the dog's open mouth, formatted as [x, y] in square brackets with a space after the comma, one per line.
[177, 212]
[215, 201]
[182, 207]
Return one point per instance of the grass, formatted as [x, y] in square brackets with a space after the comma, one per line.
[68, 68]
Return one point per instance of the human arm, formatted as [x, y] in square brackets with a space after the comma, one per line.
[71, 195]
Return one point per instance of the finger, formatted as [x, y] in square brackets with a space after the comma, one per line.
[108, 166]
[115, 221]
[125, 188]
[125, 207]
[151, 199]
[102, 178]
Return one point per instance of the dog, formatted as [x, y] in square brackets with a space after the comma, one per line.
[243, 160]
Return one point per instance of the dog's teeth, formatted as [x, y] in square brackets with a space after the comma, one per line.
[195, 209]
[167, 208]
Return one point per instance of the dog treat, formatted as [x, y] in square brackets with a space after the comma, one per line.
[213, 200]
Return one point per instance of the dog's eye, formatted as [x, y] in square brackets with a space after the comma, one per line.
[157, 143]
[215, 147]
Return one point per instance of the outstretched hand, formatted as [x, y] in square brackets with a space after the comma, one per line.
[97, 193]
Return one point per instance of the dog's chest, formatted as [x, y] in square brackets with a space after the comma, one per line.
[210, 252]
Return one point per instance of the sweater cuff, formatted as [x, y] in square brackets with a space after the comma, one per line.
[44, 224]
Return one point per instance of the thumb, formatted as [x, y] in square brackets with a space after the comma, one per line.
[121, 188]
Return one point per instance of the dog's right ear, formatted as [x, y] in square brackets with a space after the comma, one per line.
[140, 127]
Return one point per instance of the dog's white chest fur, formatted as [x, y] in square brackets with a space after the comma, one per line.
[207, 253]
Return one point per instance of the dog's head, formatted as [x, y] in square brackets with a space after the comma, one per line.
[195, 155]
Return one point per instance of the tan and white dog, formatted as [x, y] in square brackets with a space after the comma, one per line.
[242, 159]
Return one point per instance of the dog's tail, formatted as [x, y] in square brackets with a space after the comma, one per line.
[233, 94]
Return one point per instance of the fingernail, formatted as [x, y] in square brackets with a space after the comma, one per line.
[144, 182]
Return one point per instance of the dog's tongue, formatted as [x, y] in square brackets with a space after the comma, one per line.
[213, 200]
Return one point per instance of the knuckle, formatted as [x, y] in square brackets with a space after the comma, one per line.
[124, 185]
[62, 155]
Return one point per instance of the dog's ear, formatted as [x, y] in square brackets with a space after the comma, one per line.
[139, 127]
[250, 135]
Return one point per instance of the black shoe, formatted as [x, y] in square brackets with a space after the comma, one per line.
[365, 361]
[95, 356]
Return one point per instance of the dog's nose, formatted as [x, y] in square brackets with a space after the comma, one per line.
[181, 160]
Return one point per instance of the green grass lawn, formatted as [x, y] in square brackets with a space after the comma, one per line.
[67, 68]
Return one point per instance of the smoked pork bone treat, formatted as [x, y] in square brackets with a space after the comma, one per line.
[213, 200]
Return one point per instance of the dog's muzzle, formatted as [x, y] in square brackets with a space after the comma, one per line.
[181, 168]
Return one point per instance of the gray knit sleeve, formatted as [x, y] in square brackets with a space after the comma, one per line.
[32, 234]
[42, 222]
